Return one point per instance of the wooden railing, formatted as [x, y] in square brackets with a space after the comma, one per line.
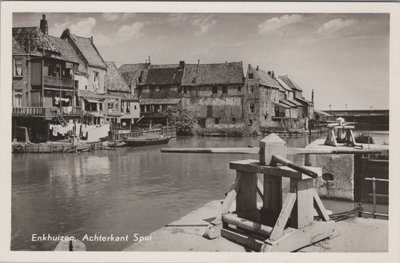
[58, 81]
[46, 111]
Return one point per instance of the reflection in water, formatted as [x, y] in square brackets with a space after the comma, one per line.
[126, 191]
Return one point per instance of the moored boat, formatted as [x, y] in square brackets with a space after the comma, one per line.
[147, 139]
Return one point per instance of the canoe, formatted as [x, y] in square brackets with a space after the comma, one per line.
[147, 140]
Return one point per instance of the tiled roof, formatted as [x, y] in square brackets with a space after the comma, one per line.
[165, 75]
[131, 72]
[34, 38]
[113, 81]
[17, 48]
[125, 96]
[209, 74]
[65, 48]
[290, 83]
[301, 100]
[91, 95]
[296, 103]
[284, 85]
[159, 101]
[88, 50]
[264, 78]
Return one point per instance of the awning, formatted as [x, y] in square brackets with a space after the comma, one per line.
[92, 100]
[304, 101]
[282, 105]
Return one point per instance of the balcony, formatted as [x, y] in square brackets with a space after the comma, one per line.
[48, 112]
[57, 82]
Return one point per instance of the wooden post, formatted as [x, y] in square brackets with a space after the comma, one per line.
[272, 201]
[246, 200]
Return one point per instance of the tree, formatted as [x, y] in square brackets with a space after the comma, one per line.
[183, 120]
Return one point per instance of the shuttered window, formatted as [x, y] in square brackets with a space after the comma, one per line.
[18, 67]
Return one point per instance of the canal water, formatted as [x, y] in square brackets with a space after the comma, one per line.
[123, 191]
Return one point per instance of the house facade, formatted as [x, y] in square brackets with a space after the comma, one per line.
[43, 84]
[89, 77]
[121, 102]
[213, 93]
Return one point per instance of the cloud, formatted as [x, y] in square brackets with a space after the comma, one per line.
[275, 23]
[204, 24]
[111, 17]
[82, 27]
[335, 25]
[201, 23]
[133, 30]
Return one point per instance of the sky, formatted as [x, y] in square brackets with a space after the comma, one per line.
[343, 57]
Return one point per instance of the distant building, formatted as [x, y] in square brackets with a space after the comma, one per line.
[134, 75]
[43, 84]
[213, 93]
[262, 98]
[122, 104]
[89, 75]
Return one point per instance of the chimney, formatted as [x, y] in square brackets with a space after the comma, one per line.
[181, 64]
[67, 31]
[198, 65]
[257, 68]
[91, 39]
[43, 25]
[271, 74]
[312, 96]
[149, 60]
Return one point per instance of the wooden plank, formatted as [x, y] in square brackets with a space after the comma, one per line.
[256, 150]
[282, 160]
[247, 224]
[294, 239]
[253, 166]
[319, 206]
[242, 239]
[304, 209]
[214, 229]
[238, 150]
[246, 200]
[283, 216]
[272, 202]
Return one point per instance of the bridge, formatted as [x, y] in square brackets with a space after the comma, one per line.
[365, 119]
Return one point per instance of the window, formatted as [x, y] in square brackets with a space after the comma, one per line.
[76, 83]
[134, 107]
[224, 89]
[18, 67]
[85, 87]
[185, 90]
[215, 90]
[128, 107]
[252, 108]
[216, 120]
[250, 122]
[239, 88]
[250, 75]
[209, 111]
[18, 99]
[252, 88]
[234, 120]
[95, 76]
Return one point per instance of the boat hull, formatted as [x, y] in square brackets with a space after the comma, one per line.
[135, 142]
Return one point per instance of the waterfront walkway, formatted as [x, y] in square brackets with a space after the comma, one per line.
[185, 234]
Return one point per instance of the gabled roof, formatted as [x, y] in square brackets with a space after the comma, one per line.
[132, 72]
[113, 81]
[284, 85]
[87, 49]
[210, 74]
[165, 75]
[290, 83]
[65, 49]
[263, 77]
[34, 39]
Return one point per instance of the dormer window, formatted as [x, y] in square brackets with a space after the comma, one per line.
[250, 75]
